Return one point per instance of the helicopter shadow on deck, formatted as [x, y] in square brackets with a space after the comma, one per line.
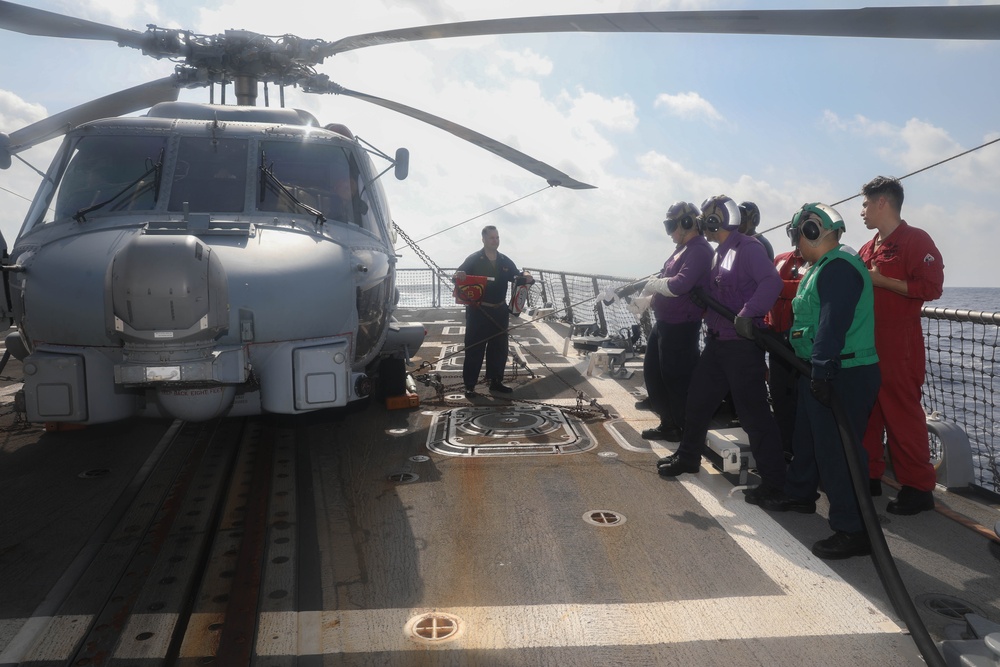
[365, 469]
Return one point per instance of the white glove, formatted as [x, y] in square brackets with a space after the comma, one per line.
[638, 304]
[608, 296]
[658, 286]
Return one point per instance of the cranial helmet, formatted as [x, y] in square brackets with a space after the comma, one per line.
[749, 216]
[681, 214]
[813, 221]
[719, 212]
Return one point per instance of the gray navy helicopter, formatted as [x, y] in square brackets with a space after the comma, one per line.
[209, 259]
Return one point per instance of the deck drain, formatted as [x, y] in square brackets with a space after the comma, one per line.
[420, 458]
[94, 472]
[403, 477]
[608, 455]
[947, 606]
[604, 518]
[434, 627]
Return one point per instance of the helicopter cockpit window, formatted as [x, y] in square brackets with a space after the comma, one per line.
[323, 177]
[210, 175]
[110, 174]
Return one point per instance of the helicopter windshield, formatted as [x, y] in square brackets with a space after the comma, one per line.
[210, 176]
[321, 176]
[116, 171]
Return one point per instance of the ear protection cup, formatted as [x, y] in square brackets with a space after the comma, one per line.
[749, 215]
[811, 229]
[681, 214]
[711, 222]
[718, 213]
[812, 221]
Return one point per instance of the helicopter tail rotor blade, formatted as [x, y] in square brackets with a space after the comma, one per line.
[31, 21]
[951, 22]
[552, 175]
[116, 104]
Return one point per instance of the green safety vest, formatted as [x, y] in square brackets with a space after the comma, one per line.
[859, 345]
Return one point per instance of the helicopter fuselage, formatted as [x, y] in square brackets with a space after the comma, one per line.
[204, 260]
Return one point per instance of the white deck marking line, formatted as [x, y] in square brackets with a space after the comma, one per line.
[12, 389]
[782, 558]
[803, 578]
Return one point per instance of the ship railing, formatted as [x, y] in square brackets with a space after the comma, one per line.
[962, 368]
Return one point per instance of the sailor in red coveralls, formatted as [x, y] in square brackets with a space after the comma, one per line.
[906, 270]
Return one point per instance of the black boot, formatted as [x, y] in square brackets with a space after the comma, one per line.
[911, 501]
[500, 387]
[842, 545]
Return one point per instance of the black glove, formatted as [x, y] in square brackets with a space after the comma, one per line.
[822, 391]
[696, 299]
[744, 326]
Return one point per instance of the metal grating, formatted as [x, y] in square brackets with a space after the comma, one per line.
[946, 605]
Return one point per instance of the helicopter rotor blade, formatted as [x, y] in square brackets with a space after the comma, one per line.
[116, 104]
[951, 22]
[31, 21]
[552, 175]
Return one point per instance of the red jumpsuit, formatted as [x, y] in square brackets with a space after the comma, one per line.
[907, 254]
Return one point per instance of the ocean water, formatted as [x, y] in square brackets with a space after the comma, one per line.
[986, 299]
[963, 375]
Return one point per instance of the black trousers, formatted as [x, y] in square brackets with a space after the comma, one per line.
[485, 336]
[670, 359]
[737, 366]
[819, 449]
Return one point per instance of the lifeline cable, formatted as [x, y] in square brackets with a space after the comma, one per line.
[882, 558]
[912, 173]
[412, 243]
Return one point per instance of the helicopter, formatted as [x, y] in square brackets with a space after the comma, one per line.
[154, 272]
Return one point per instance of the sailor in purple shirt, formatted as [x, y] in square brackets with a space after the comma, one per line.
[744, 280]
[672, 351]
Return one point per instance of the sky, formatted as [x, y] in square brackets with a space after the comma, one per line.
[648, 119]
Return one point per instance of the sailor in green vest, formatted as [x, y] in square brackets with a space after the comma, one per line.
[833, 330]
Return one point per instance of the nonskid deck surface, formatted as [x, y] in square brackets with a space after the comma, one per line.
[578, 554]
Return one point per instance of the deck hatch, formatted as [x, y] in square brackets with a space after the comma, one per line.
[514, 430]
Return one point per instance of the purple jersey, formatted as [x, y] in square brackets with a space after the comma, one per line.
[744, 280]
[686, 268]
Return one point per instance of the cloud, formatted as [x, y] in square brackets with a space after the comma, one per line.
[688, 106]
[529, 92]
[526, 62]
[917, 144]
[15, 113]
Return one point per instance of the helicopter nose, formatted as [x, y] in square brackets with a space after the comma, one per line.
[167, 289]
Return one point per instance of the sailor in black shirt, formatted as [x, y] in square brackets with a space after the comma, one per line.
[486, 322]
